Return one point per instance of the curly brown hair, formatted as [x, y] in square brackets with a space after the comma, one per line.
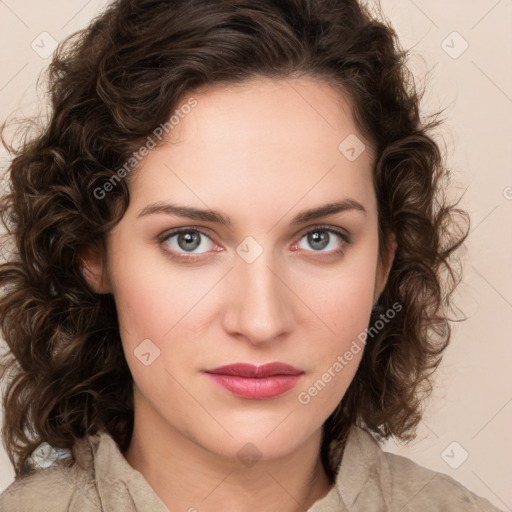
[110, 85]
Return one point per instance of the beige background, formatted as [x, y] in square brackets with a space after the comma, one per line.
[472, 403]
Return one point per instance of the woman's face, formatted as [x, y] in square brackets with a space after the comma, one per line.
[276, 284]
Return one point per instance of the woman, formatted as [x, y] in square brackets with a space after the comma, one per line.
[259, 368]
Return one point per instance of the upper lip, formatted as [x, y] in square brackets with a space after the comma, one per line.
[250, 370]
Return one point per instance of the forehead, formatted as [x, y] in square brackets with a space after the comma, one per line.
[286, 111]
[264, 138]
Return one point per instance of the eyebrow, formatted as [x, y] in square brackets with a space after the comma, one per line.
[190, 212]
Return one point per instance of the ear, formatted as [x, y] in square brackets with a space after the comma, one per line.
[384, 266]
[94, 269]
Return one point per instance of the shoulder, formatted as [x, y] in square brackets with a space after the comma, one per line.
[34, 491]
[416, 486]
[64, 487]
[407, 486]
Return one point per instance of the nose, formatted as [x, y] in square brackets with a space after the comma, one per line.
[260, 305]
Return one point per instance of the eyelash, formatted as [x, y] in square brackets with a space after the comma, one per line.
[346, 240]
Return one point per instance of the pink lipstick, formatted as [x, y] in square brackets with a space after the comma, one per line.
[256, 382]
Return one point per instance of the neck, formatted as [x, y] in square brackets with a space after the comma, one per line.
[186, 476]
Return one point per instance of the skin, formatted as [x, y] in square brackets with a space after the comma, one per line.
[260, 152]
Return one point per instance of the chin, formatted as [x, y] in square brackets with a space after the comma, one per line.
[266, 442]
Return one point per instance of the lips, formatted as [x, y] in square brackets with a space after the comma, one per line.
[249, 370]
[256, 382]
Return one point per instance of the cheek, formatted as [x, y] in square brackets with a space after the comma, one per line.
[151, 307]
[151, 296]
[140, 301]
[335, 353]
[342, 304]
[341, 300]
[159, 303]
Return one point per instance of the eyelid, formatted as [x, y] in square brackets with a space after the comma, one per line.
[184, 229]
[347, 239]
[324, 227]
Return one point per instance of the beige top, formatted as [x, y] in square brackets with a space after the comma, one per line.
[368, 480]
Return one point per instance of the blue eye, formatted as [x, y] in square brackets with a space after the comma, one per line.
[322, 238]
[191, 242]
[187, 241]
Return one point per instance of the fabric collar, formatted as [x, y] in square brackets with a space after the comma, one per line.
[119, 485]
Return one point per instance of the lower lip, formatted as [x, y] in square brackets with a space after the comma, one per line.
[256, 389]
